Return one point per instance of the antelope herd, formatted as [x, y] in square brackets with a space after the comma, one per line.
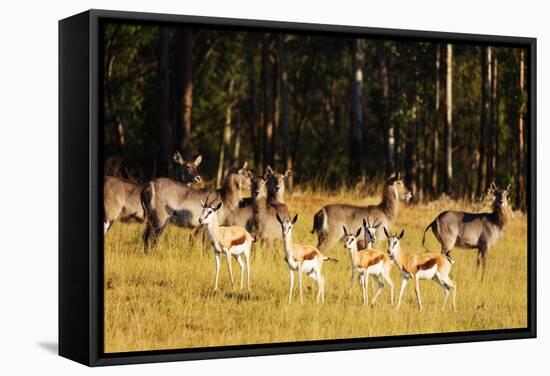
[233, 223]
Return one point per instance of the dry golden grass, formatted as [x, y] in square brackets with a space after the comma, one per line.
[164, 300]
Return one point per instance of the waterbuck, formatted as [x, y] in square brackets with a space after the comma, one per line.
[472, 230]
[244, 215]
[328, 221]
[168, 201]
[121, 198]
[420, 266]
[276, 184]
[304, 259]
[232, 240]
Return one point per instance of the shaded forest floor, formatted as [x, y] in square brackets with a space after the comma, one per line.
[164, 300]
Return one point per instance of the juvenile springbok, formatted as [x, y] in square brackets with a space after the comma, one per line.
[368, 262]
[302, 259]
[121, 198]
[420, 266]
[472, 230]
[328, 221]
[231, 240]
[167, 201]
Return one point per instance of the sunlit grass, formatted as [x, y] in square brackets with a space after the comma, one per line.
[164, 300]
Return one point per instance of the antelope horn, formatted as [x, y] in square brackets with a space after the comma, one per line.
[206, 203]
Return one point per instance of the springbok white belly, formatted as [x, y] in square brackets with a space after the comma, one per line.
[309, 265]
[376, 269]
[428, 273]
[239, 249]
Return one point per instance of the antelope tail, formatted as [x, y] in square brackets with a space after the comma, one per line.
[319, 221]
[425, 230]
[326, 258]
[146, 196]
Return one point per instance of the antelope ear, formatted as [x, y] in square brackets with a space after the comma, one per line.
[378, 224]
[269, 170]
[392, 175]
[178, 158]
[218, 206]
[364, 223]
[288, 173]
[508, 188]
[198, 160]
[295, 218]
[244, 166]
[358, 232]
[398, 176]
[493, 186]
[203, 204]
[345, 230]
[386, 232]
[279, 218]
[401, 234]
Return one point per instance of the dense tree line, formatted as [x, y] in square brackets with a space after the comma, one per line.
[334, 110]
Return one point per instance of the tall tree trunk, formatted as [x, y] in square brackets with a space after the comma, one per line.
[164, 104]
[385, 105]
[356, 157]
[253, 105]
[449, 121]
[436, 119]
[185, 86]
[485, 131]
[521, 173]
[495, 120]
[283, 121]
[225, 143]
[267, 89]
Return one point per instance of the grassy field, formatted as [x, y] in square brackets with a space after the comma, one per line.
[164, 300]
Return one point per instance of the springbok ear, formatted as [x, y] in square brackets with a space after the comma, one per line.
[218, 206]
[358, 232]
[178, 158]
[401, 234]
[198, 160]
[295, 218]
[203, 204]
[345, 230]
[364, 223]
[279, 218]
[288, 173]
[386, 232]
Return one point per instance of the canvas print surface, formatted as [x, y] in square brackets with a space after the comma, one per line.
[270, 187]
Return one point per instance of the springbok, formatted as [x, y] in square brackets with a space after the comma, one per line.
[472, 230]
[302, 259]
[367, 242]
[368, 262]
[328, 221]
[167, 201]
[276, 184]
[231, 240]
[420, 266]
[121, 198]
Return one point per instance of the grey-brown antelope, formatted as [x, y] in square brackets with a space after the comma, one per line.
[368, 263]
[121, 198]
[229, 240]
[420, 266]
[276, 184]
[472, 230]
[168, 201]
[328, 221]
[302, 259]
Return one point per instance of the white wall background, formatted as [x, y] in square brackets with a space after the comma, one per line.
[28, 183]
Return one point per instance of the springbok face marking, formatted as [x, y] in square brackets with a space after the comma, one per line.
[350, 240]
[370, 230]
[188, 170]
[276, 181]
[501, 195]
[209, 210]
[286, 225]
[393, 242]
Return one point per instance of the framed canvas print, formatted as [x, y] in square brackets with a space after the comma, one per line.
[238, 187]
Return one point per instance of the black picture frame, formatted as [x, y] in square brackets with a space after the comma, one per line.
[80, 191]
